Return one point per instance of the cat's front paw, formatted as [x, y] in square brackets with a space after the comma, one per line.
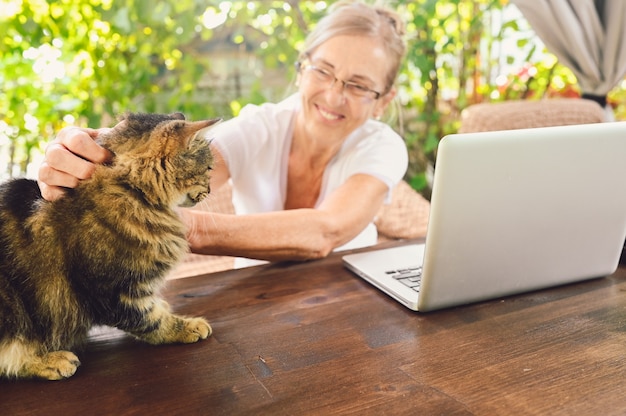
[194, 330]
[56, 365]
[172, 329]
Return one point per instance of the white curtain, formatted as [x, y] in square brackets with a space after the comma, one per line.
[587, 36]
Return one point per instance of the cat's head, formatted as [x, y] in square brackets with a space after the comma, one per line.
[162, 156]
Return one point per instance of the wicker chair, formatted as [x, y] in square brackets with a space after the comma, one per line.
[405, 217]
[511, 115]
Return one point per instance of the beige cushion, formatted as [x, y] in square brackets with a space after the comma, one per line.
[512, 115]
[405, 217]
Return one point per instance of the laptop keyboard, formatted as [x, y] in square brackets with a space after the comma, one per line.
[411, 276]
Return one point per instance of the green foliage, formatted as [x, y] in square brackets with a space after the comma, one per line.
[83, 62]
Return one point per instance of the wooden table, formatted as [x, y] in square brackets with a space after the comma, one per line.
[311, 338]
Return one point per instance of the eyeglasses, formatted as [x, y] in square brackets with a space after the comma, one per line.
[328, 79]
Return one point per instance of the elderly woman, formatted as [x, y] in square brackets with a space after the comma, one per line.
[308, 173]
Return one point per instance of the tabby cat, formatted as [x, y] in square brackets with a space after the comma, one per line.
[99, 255]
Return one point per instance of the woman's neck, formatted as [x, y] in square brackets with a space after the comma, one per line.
[308, 158]
[311, 151]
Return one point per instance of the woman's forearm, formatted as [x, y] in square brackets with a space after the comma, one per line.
[301, 234]
[297, 234]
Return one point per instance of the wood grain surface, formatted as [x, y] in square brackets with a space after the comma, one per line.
[312, 338]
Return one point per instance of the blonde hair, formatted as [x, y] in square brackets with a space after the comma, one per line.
[349, 17]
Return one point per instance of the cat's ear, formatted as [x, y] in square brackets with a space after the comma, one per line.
[177, 116]
[190, 129]
[175, 135]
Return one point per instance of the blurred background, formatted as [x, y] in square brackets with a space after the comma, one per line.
[75, 62]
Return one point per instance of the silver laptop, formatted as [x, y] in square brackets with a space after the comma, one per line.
[511, 212]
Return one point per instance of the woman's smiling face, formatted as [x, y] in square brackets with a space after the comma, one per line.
[330, 110]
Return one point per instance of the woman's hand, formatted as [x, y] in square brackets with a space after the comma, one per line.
[71, 157]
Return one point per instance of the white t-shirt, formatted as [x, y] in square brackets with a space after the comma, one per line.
[256, 144]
